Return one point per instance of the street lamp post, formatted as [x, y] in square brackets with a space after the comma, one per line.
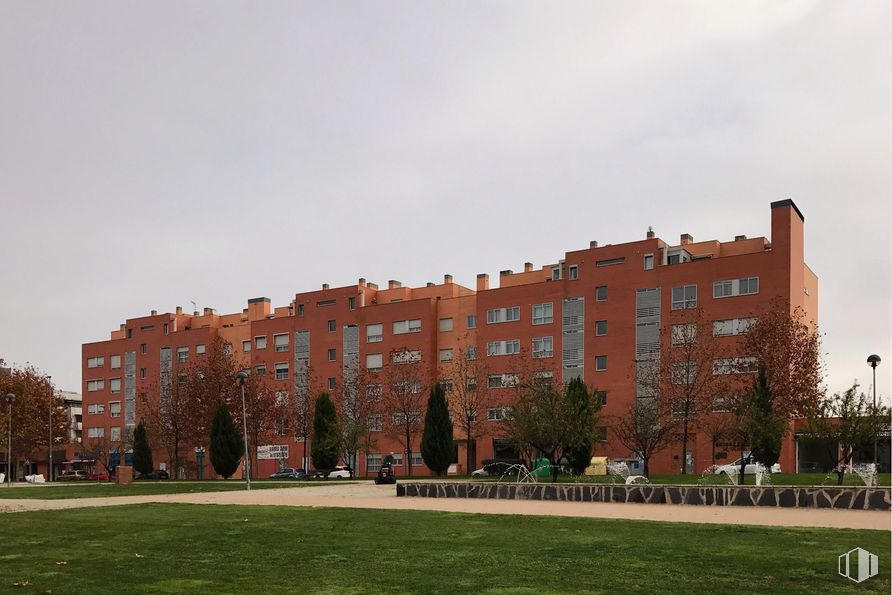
[242, 378]
[874, 361]
[10, 399]
[49, 469]
[199, 456]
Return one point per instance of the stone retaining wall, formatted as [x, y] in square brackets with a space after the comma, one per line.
[855, 498]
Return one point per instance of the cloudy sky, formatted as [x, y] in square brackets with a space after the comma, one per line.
[157, 153]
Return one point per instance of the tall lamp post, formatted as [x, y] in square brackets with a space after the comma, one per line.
[49, 469]
[242, 378]
[874, 361]
[10, 399]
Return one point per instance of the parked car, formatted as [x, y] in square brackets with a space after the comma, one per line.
[156, 474]
[289, 473]
[482, 472]
[73, 476]
[341, 472]
[751, 467]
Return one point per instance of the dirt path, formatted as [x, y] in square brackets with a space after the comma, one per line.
[362, 495]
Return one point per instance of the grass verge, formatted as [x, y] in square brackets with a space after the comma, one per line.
[161, 548]
[59, 491]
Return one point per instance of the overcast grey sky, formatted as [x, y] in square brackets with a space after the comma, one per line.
[157, 153]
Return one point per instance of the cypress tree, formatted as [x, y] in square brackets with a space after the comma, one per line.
[579, 403]
[766, 427]
[326, 439]
[142, 454]
[227, 446]
[437, 447]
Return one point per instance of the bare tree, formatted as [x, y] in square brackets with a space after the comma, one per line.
[357, 403]
[305, 392]
[646, 428]
[469, 395]
[405, 382]
[264, 407]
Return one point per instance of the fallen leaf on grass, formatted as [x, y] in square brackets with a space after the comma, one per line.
[21, 583]
[245, 521]
[62, 563]
[139, 556]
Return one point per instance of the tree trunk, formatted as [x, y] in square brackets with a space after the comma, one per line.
[645, 466]
[408, 447]
[742, 468]
[555, 469]
[684, 448]
[468, 470]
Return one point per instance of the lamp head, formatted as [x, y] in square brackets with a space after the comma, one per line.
[10, 398]
[242, 377]
[874, 360]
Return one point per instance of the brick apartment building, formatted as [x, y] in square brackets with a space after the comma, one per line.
[588, 314]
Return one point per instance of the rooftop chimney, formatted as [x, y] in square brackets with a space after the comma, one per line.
[650, 232]
[506, 272]
[686, 238]
[429, 284]
[208, 311]
[739, 238]
[361, 282]
[393, 284]
[324, 286]
[527, 267]
[179, 309]
[482, 282]
[154, 312]
[593, 244]
[373, 286]
[447, 279]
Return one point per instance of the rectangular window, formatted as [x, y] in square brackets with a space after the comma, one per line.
[574, 272]
[610, 262]
[260, 342]
[684, 373]
[684, 334]
[495, 413]
[600, 363]
[282, 371]
[601, 434]
[166, 328]
[601, 397]
[445, 325]
[543, 313]
[503, 347]
[323, 303]
[374, 392]
[374, 361]
[734, 287]
[332, 326]
[372, 463]
[472, 352]
[182, 354]
[114, 408]
[406, 357]
[720, 404]
[332, 383]
[201, 349]
[261, 369]
[115, 434]
[399, 419]
[96, 409]
[472, 321]
[600, 328]
[246, 345]
[401, 327]
[501, 380]
[114, 385]
[95, 432]
[446, 355]
[374, 422]
[648, 262]
[447, 386]
[496, 315]
[281, 397]
[543, 347]
[732, 326]
[332, 355]
[555, 273]
[300, 309]
[351, 303]
[601, 293]
[735, 365]
[142, 348]
[142, 372]
[115, 362]
[374, 333]
[281, 342]
[95, 362]
[684, 296]
[95, 385]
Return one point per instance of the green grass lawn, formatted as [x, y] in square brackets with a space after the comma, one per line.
[178, 548]
[58, 491]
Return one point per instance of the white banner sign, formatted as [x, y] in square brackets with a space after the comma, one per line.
[272, 451]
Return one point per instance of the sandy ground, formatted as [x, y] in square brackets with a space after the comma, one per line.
[367, 495]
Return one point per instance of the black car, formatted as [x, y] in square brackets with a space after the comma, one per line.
[289, 473]
[156, 474]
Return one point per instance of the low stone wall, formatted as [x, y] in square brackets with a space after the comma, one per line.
[854, 498]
